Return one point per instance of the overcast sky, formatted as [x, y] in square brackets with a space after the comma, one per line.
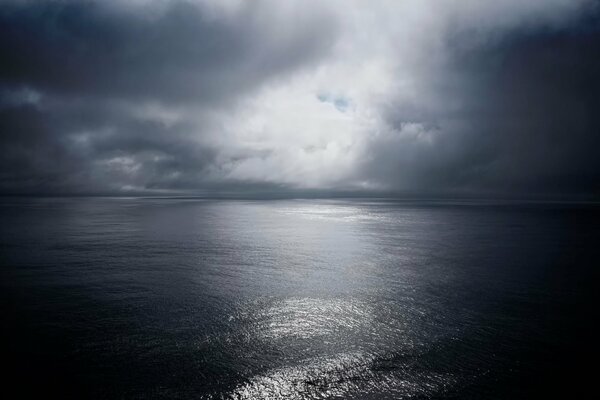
[414, 97]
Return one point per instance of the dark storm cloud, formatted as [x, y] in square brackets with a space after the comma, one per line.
[514, 114]
[67, 151]
[73, 72]
[186, 52]
[200, 97]
[30, 155]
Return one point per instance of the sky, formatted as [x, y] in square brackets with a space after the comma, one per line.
[406, 98]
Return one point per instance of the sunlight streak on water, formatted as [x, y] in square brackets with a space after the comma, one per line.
[307, 318]
[344, 376]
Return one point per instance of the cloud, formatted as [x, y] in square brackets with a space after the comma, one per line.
[506, 112]
[183, 52]
[124, 98]
[414, 97]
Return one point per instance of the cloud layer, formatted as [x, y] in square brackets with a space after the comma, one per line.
[201, 97]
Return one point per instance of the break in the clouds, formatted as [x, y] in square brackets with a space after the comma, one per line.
[411, 97]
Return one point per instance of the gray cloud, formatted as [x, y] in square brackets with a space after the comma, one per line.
[510, 114]
[185, 52]
[75, 72]
[196, 97]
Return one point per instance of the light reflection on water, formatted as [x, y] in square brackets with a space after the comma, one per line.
[345, 376]
[308, 318]
[333, 323]
[289, 299]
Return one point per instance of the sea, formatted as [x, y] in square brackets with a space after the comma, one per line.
[189, 298]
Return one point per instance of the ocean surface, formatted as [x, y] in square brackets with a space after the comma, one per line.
[298, 299]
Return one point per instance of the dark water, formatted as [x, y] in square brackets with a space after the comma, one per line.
[146, 298]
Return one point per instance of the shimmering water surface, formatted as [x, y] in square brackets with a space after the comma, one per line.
[295, 299]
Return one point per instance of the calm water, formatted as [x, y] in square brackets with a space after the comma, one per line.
[150, 298]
